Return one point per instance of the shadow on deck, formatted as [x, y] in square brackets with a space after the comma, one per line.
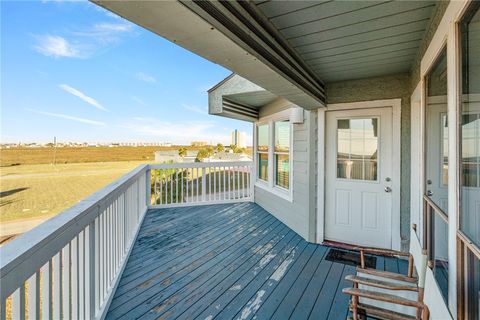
[229, 261]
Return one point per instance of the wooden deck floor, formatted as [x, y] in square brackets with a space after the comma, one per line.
[229, 261]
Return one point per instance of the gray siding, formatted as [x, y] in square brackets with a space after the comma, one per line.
[300, 213]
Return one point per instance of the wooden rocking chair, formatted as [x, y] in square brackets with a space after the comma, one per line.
[389, 295]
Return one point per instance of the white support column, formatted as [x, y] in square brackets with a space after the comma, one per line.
[453, 72]
[321, 177]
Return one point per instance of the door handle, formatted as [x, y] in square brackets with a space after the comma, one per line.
[429, 193]
[388, 189]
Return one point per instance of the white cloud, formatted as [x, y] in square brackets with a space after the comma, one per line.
[181, 132]
[104, 33]
[57, 47]
[145, 77]
[83, 42]
[65, 116]
[196, 109]
[138, 100]
[113, 27]
[81, 95]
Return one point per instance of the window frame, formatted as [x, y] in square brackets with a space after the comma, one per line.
[275, 153]
[270, 185]
[257, 152]
[467, 249]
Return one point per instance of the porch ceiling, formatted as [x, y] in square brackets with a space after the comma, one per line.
[291, 48]
[342, 40]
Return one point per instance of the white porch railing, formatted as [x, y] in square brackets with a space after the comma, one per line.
[187, 184]
[69, 266]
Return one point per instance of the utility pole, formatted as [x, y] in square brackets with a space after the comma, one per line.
[54, 150]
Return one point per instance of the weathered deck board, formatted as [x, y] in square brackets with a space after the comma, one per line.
[229, 261]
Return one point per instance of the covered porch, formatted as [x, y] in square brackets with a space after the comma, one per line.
[230, 261]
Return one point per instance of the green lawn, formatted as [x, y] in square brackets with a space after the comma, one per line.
[29, 191]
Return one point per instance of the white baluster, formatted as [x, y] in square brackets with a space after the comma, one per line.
[47, 291]
[34, 296]
[57, 286]
[18, 303]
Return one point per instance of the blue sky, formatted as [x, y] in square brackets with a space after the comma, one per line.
[77, 72]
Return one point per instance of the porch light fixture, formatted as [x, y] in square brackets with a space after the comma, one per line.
[296, 115]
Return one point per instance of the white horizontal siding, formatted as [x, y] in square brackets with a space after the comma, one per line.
[297, 213]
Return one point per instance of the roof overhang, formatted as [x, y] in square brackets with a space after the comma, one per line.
[236, 97]
[232, 34]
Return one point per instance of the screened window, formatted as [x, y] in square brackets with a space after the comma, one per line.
[282, 153]
[262, 151]
[470, 131]
[470, 162]
[357, 148]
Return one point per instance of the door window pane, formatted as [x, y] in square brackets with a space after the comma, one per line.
[357, 147]
[262, 138]
[263, 166]
[470, 120]
[444, 126]
[436, 144]
[282, 170]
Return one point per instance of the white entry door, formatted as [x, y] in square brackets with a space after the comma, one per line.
[358, 177]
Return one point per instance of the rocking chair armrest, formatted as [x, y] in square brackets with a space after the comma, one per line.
[385, 297]
[387, 274]
[388, 285]
[388, 252]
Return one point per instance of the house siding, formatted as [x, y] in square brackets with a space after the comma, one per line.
[300, 213]
[379, 88]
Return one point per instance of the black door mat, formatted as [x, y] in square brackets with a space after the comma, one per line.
[350, 258]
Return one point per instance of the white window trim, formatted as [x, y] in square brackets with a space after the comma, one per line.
[269, 185]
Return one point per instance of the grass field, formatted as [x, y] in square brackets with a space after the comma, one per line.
[29, 191]
[77, 155]
[81, 155]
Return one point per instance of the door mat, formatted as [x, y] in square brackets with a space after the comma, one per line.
[350, 258]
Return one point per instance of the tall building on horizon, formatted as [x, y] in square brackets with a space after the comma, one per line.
[239, 138]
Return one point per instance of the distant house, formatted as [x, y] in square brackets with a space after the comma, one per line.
[228, 156]
[173, 156]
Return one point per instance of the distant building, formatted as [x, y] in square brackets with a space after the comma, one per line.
[228, 156]
[239, 138]
[173, 156]
[199, 143]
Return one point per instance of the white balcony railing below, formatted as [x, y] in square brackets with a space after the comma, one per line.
[187, 184]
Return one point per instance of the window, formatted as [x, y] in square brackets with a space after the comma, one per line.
[469, 165]
[470, 129]
[273, 154]
[282, 153]
[357, 141]
[262, 151]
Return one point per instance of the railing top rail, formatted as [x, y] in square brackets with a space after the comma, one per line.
[200, 164]
[436, 208]
[54, 233]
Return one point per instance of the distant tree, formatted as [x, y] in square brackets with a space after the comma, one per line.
[202, 154]
[239, 150]
[220, 147]
[182, 152]
[233, 147]
[210, 150]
